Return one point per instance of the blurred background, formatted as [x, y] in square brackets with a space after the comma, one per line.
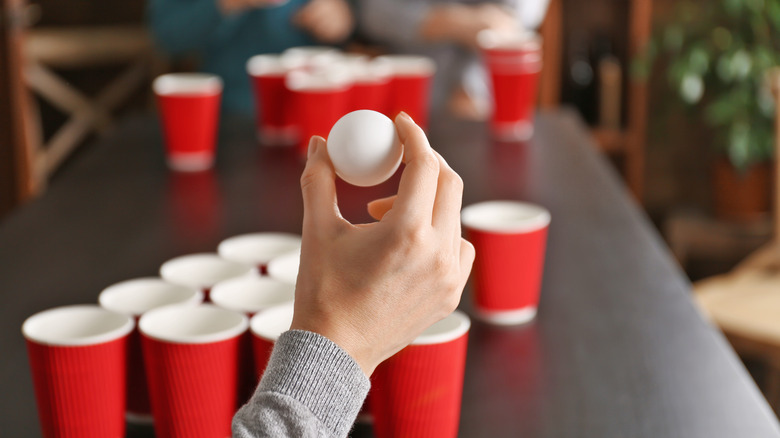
[672, 90]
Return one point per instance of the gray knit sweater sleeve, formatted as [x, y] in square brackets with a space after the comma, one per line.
[311, 388]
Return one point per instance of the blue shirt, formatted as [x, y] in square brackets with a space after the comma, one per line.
[225, 42]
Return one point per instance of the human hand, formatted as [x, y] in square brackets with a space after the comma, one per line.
[373, 288]
[329, 21]
[233, 6]
[462, 23]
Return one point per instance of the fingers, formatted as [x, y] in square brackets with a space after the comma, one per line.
[318, 185]
[379, 207]
[417, 189]
[327, 20]
[449, 196]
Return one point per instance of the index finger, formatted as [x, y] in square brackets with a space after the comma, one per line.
[417, 188]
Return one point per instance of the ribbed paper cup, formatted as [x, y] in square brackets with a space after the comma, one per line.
[202, 271]
[510, 239]
[514, 63]
[410, 85]
[250, 295]
[78, 362]
[189, 109]
[285, 267]
[134, 298]
[257, 249]
[192, 362]
[418, 391]
[266, 327]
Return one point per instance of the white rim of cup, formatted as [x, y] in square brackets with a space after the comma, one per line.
[266, 65]
[258, 248]
[311, 53]
[371, 72]
[526, 40]
[325, 79]
[505, 217]
[140, 295]
[200, 324]
[252, 294]
[448, 329]
[202, 270]
[507, 317]
[173, 84]
[272, 322]
[77, 325]
[285, 267]
[408, 65]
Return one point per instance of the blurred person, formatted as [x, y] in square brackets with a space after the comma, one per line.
[226, 33]
[363, 293]
[446, 30]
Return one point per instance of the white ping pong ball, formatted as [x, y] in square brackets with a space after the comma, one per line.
[364, 148]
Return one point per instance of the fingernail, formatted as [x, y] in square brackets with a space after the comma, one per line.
[313, 142]
[406, 116]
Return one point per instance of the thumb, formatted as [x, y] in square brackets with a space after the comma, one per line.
[318, 185]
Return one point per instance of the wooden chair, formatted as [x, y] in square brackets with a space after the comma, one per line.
[745, 303]
[49, 50]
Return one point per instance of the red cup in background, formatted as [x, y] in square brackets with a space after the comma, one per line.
[418, 391]
[134, 298]
[78, 361]
[189, 109]
[202, 271]
[510, 239]
[275, 125]
[370, 87]
[320, 98]
[410, 86]
[192, 362]
[514, 64]
[266, 327]
[257, 249]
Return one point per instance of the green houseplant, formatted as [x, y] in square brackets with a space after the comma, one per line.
[718, 53]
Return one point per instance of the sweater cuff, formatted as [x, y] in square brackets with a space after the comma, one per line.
[315, 371]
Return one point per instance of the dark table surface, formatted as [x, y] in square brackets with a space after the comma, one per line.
[617, 350]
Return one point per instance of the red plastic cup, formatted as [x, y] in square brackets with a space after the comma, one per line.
[257, 249]
[192, 362]
[202, 271]
[417, 392]
[189, 109]
[510, 239]
[514, 64]
[266, 327]
[285, 267]
[371, 85]
[134, 298]
[78, 362]
[410, 86]
[275, 125]
[320, 98]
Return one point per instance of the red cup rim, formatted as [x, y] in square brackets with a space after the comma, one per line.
[448, 329]
[201, 324]
[324, 80]
[187, 84]
[251, 294]
[270, 323]
[139, 295]
[525, 40]
[285, 267]
[202, 270]
[267, 65]
[408, 65]
[76, 325]
[258, 248]
[506, 217]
